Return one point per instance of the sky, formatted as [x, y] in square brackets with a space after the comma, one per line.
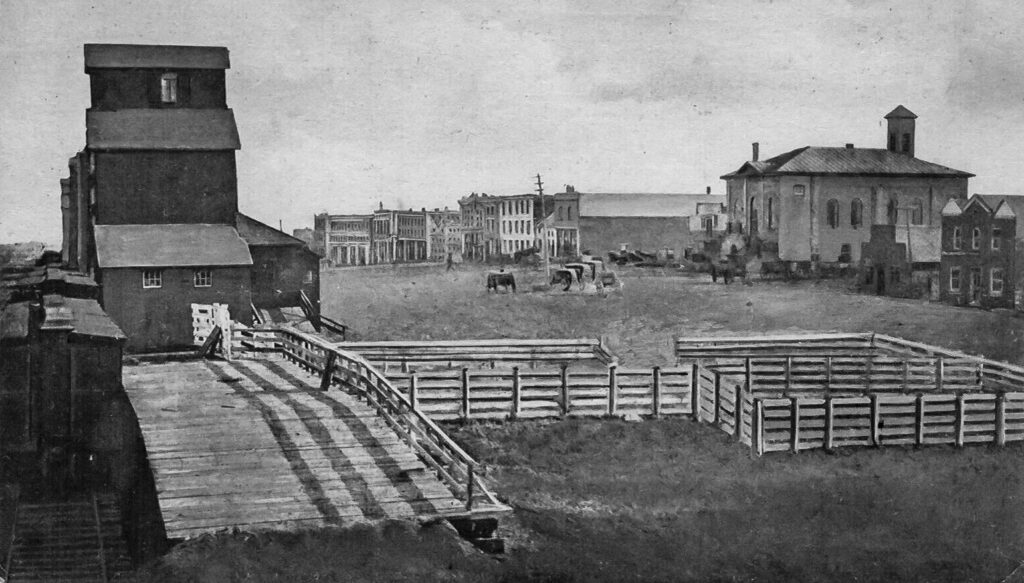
[343, 105]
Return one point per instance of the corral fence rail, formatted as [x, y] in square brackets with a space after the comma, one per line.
[801, 392]
[407, 353]
[451, 463]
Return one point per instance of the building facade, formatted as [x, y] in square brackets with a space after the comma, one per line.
[399, 236]
[445, 233]
[818, 204]
[480, 226]
[978, 253]
[347, 238]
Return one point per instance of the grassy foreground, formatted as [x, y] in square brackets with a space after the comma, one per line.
[664, 500]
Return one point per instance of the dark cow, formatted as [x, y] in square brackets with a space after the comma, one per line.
[506, 280]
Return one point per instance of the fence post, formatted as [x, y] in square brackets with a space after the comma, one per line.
[465, 394]
[613, 389]
[919, 420]
[695, 392]
[469, 487]
[756, 427]
[794, 420]
[738, 414]
[414, 395]
[718, 397]
[789, 373]
[875, 411]
[565, 389]
[1000, 418]
[981, 374]
[940, 372]
[960, 414]
[748, 373]
[829, 421]
[656, 389]
[828, 373]
[517, 398]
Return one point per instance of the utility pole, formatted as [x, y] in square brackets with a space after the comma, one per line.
[544, 231]
[540, 186]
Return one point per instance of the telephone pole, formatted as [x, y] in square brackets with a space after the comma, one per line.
[540, 186]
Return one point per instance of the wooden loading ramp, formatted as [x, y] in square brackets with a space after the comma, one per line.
[254, 444]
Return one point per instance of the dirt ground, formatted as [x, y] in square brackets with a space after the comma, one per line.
[668, 499]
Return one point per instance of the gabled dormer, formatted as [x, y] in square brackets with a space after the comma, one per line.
[156, 77]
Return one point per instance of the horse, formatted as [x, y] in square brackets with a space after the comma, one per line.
[520, 254]
[506, 280]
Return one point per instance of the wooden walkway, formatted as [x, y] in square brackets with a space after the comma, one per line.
[254, 444]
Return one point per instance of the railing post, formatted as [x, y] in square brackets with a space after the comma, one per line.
[613, 389]
[414, 394]
[695, 392]
[1000, 438]
[940, 373]
[656, 391]
[470, 471]
[874, 420]
[738, 414]
[565, 389]
[516, 393]
[794, 420]
[328, 375]
[465, 394]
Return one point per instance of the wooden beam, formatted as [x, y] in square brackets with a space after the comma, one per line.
[919, 420]
[656, 391]
[517, 397]
[1000, 437]
[794, 420]
[465, 394]
[875, 421]
[613, 390]
[960, 421]
[829, 422]
[565, 389]
[328, 374]
[695, 391]
[414, 397]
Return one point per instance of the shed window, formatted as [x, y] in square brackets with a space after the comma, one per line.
[169, 88]
[997, 233]
[202, 278]
[799, 190]
[976, 238]
[996, 281]
[954, 279]
[152, 278]
[832, 213]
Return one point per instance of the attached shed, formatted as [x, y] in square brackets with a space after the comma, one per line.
[282, 265]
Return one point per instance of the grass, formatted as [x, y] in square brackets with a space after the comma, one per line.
[664, 500]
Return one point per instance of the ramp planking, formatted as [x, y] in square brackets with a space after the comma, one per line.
[254, 444]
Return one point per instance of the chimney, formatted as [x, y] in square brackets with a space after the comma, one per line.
[849, 146]
[757, 147]
[709, 190]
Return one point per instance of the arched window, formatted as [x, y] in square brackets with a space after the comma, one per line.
[771, 214]
[568, 213]
[856, 213]
[976, 238]
[917, 212]
[832, 213]
[958, 238]
[752, 212]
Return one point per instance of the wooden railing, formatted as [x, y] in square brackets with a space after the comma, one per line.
[453, 465]
[465, 394]
[319, 321]
[994, 375]
[704, 347]
[452, 352]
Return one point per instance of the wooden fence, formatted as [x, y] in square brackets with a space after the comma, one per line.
[704, 347]
[406, 353]
[453, 466]
[464, 394]
[897, 393]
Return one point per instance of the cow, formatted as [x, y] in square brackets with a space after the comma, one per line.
[496, 278]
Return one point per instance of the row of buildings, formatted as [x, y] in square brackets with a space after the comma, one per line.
[488, 227]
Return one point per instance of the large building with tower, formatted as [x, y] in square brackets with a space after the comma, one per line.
[817, 204]
[151, 203]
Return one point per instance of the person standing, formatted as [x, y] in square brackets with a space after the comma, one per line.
[448, 262]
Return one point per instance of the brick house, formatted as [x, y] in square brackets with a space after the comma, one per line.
[978, 255]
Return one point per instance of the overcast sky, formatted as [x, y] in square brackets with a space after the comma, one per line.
[340, 105]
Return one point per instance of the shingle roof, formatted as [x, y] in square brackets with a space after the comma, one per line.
[111, 56]
[161, 129]
[255, 233]
[77, 316]
[176, 245]
[642, 204]
[811, 160]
